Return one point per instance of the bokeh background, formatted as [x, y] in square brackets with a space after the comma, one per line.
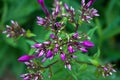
[106, 36]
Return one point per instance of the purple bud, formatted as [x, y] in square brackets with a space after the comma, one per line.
[41, 2]
[44, 59]
[73, 56]
[40, 54]
[70, 49]
[25, 58]
[36, 78]
[90, 3]
[23, 75]
[55, 50]
[41, 21]
[66, 7]
[105, 68]
[49, 54]
[52, 36]
[63, 56]
[57, 9]
[56, 45]
[87, 44]
[84, 50]
[75, 35]
[27, 78]
[68, 66]
[58, 24]
[47, 42]
[83, 2]
[27, 63]
[93, 12]
[37, 45]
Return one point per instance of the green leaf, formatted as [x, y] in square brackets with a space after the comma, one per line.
[29, 34]
[112, 29]
[30, 42]
[74, 75]
[11, 42]
[32, 50]
[97, 55]
[83, 67]
[94, 62]
[91, 31]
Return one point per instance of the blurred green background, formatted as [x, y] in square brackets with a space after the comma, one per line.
[106, 36]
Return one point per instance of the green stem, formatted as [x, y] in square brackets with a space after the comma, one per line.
[80, 62]
[5, 8]
[50, 64]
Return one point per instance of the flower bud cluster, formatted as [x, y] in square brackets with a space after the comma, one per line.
[106, 70]
[71, 12]
[32, 76]
[56, 46]
[14, 30]
[87, 13]
[51, 20]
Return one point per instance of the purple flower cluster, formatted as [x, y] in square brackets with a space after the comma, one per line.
[60, 43]
[49, 49]
[14, 30]
[88, 14]
[50, 19]
[70, 14]
[28, 76]
[106, 70]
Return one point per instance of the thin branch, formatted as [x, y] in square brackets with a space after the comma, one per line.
[80, 62]
[33, 40]
[51, 64]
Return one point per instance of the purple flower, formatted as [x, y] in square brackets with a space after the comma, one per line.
[68, 66]
[90, 3]
[83, 2]
[87, 44]
[70, 14]
[49, 54]
[93, 12]
[66, 7]
[84, 50]
[25, 58]
[14, 31]
[88, 14]
[41, 53]
[46, 42]
[25, 76]
[70, 49]
[73, 56]
[41, 21]
[56, 45]
[44, 59]
[106, 70]
[58, 24]
[36, 78]
[63, 56]
[52, 36]
[56, 50]
[75, 35]
[86, 6]
[41, 2]
[37, 45]
[57, 9]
